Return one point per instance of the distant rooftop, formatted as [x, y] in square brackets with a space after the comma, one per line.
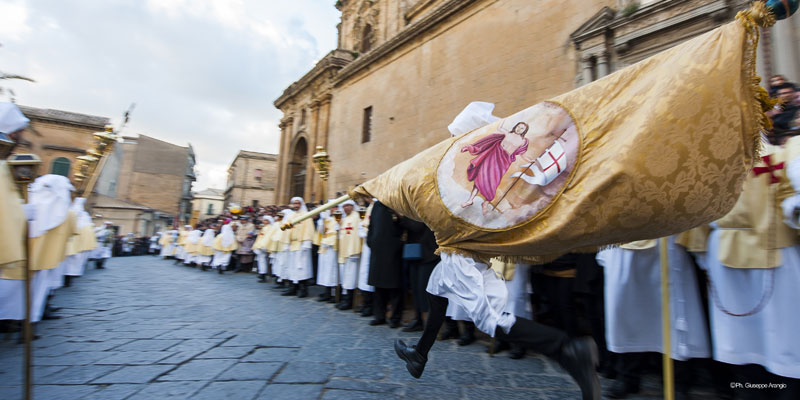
[255, 154]
[210, 192]
[65, 117]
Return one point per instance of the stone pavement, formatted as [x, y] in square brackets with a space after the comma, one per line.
[145, 328]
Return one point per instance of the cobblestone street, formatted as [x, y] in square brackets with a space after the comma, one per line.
[145, 328]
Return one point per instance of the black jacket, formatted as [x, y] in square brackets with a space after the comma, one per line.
[384, 241]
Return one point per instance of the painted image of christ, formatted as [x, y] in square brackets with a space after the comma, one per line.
[494, 154]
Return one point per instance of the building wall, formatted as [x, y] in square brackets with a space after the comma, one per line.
[57, 140]
[128, 220]
[514, 53]
[243, 184]
[201, 205]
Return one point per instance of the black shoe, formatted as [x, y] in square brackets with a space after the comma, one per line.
[415, 362]
[332, 300]
[516, 352]
[49, 316]
[325, 296]
[219, 270]
[499, 345]
[292, 291]
[579, 358]
[347, 302]
[394, 324]
[413, 326]
[367, 311]
[67, 281]
[621, 389]
[303, 292]
[278, 285]
[466, 339]
[262, 278]
[376, 322]
[449, 334]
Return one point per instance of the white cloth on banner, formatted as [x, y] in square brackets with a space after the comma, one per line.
[221, 258]
[299, 265]
[633, 302]
[261, 260]
[363, 270]
[348, 272]
[475, 289]
[769, 337]
[328, 268]
[475, 115]
[519, 292]
[12, 297]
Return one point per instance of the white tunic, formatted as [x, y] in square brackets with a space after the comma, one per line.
[12, 297]
[261, 260]
[167, 250]
[633, 302]
[327, 267]
[475, 289]
[76, 263]
[363, 270]
[769, 337]
[519, 292]
[348, 272]
[300, 267]
[221, 258]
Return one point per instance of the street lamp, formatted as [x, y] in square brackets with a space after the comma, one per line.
[24, 169]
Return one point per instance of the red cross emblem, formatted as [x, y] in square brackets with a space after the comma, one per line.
[348, 229]
[555, 161]
[769, 169]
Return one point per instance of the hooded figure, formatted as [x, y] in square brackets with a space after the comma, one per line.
[301, 237]
[261, 245]
[167, 243]
[206, 248]
[80, 247]
[224, 244]
[328, 270]
[192, 248]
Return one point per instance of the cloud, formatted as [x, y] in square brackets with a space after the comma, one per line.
[203, 72]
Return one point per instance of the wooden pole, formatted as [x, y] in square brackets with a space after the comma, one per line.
[27, 328]
[669, 382]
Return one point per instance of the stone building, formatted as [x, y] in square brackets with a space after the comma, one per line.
[404, 69]
[251, 179]
[125, 216]
[153, 173]
[58, 137]
[208, 203]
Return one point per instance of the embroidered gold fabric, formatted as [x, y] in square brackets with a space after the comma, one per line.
[665, 146]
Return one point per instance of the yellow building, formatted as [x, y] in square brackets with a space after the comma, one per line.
[208, 203]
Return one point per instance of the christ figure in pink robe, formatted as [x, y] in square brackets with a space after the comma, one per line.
[494, 155]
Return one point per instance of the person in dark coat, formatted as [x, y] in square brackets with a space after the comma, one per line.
[386, 263]
[419, 268]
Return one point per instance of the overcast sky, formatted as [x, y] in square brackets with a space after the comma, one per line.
[203, 72]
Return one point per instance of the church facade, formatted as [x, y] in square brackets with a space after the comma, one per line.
[405, 68]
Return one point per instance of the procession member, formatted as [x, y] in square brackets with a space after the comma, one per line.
[366, 289]
[192, 247]
[386, 268]
[224, 245]
[128, 243]
[154, 248]
[753, 264]
[12, 219]
[105, 241]
[183, 235]
[349, 253]
[273, 244]
[81, 246]
[167, 243]
[299, 266]
[283, 257]
[260, 246]
[517, 278]
[206, 247]
[48, 234]
[328, 264]
[633, 310]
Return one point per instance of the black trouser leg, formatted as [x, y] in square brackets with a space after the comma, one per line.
[381, 299]
[397, 304]
[532, 335]
[99, 263]
[629, 368]
[436, 316]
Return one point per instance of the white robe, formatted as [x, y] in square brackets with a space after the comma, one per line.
[519, 292]
[166, 251]
[282, 261]
[221, 259]
[769, 337]
[348, 272]
[363, 270]
[76, 263]
[300, 267]
[327, 268]
[633, 302]
[261, 260]
[12, 297]
[475, 289]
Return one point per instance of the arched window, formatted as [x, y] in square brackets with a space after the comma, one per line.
[366, 39]
[60, 166]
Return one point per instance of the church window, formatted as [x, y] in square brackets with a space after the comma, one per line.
[210, 209]
[303, 117]
[60, 166]
[257, 175]
[366, 132]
